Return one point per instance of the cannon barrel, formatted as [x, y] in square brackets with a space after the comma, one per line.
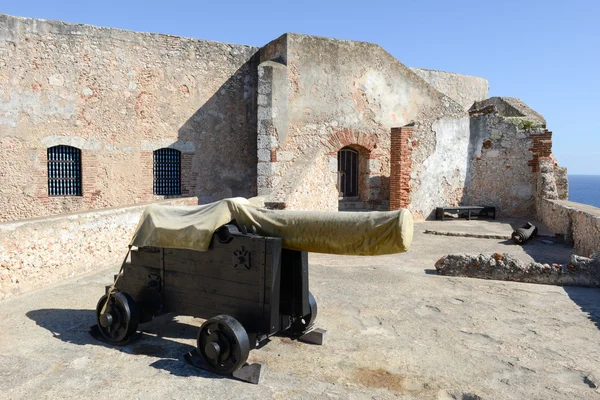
[361, 233]
[524, 233]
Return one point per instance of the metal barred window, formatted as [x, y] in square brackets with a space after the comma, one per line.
[64, 171]
[348, 172]
[167, 172]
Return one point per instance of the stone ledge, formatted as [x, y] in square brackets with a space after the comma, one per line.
[581, 271]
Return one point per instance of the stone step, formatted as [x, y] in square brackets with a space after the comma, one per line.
[350, 205]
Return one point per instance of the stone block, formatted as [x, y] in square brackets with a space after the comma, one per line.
[263, 100]
[264, 155]
[373, 165]
[266, 142]
[267, 168]
[332, 164]
[285, 156]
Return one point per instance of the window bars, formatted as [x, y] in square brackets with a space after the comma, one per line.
[64, 171]
[348, 169]
[167, 172]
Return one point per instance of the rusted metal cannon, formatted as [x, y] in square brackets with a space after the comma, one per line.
[524, 233]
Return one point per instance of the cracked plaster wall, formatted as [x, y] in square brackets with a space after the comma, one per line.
[119, 95]
[439, 165]
[341, 93]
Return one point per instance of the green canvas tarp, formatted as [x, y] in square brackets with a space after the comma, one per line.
[349, 233]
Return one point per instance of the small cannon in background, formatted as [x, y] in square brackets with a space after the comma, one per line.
[524, 233]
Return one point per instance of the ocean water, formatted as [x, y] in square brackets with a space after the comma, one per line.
[585, 189]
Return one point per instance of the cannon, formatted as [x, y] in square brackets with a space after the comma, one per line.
[524, 233]
[247, 287]
[248, 278]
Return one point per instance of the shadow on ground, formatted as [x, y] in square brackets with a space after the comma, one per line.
[545, 249]
[588, 300]
[73, 326]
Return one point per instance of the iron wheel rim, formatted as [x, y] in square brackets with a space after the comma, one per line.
[120, 319]
[223, 343]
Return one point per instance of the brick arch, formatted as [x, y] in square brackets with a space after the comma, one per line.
[363, 142]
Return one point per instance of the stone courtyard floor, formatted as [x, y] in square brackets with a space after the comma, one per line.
[395, 330]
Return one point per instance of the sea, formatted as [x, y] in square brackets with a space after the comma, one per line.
[585, 189]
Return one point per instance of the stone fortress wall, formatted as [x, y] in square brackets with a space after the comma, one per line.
[248, 121]
[118, 96]
[337, 93]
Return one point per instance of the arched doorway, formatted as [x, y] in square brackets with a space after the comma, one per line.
[348, 172]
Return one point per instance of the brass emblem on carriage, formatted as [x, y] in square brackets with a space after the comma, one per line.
[241, 258]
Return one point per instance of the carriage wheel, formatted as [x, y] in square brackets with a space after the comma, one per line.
[120, 318]
[301, 325]
[223, 343]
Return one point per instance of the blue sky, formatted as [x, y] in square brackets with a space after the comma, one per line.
[545, 52]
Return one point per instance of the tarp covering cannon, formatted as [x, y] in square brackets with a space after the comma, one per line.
[241, 267]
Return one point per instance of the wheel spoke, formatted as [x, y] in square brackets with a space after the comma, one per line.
[232, 340]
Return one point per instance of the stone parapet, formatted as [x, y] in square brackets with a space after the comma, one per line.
[41, 251]
[579, 223]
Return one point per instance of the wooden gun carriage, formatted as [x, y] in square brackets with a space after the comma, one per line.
[246, 286]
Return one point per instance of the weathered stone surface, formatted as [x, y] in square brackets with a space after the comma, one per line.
[463, 89]
[395, 332]
[581, 271]
[38, 252]
[352, 96]
[498, 167]
[439, 180]
[512, 107]
[249, 121]
[578, 223]
[119, 95]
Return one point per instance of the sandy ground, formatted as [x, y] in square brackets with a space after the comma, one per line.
[395, 330]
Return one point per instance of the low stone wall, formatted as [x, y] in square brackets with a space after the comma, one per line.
[581, 271]
[40, 251]
[579, 223]
[463, 89]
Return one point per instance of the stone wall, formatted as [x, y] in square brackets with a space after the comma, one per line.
[562, 181]
[579, 223]
[501, 168]
[118, 96]
[463, 89]
[342, 93]
[41, 251]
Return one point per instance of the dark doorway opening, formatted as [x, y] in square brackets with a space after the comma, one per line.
[348, 172]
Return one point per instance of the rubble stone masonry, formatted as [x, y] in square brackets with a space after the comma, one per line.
[40, 251]
[118, 96]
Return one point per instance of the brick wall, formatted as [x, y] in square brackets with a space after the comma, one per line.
[400, 167]
[372, 187]
[541, 146]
